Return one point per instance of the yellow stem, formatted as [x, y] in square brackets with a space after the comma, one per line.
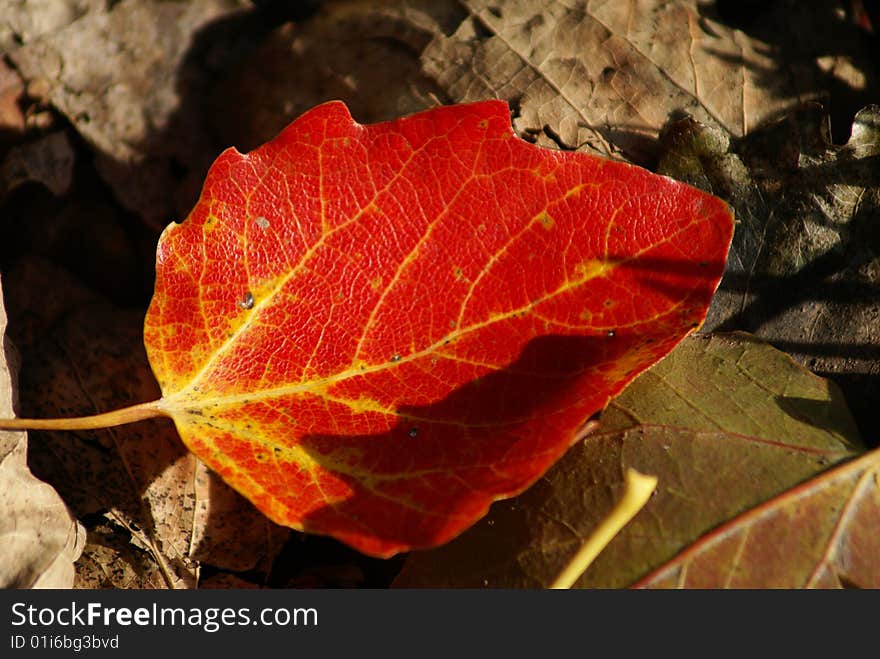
[638, 490]
[131, 414]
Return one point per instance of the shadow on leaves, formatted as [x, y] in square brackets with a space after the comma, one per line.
[439, 467]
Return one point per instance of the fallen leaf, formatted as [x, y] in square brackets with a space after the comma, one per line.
[140, 487]
[365, 54]
[607, 76]
[375, 331]
[48, 161]
[122, 74]
[111, 560]
[821, 534]
[604, 77]
[724, 422]
[638, 489]
[26, 21]
[804, 267]
[84, 231]
[39, 538]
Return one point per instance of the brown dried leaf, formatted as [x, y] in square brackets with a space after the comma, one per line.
[26, 21]
[48, 161]
[117, 72]
[606, 76]
[110, 560]
[364, 53]
[39, 538]
[804, 268]
[225, 581]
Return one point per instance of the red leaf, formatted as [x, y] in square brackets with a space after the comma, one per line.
[375, 331]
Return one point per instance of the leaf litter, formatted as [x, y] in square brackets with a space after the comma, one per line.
[725, 422]
[39, 537]
[400, 31]
[141, 483]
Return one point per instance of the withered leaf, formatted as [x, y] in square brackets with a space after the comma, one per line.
[39, 538]
[122, 74]
[606, 76]
[821, 534]
[804, 268]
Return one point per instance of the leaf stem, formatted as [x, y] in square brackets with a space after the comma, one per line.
[119, 417]
[638, 490]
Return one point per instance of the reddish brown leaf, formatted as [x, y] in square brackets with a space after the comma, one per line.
[375, 331]
[821, 534]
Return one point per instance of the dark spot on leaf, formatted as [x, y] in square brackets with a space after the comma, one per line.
[611, 333]
[413, 432]
[247, 302]
[534, 22]
[395, 358]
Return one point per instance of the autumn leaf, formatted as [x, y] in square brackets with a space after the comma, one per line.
[97, 62]
[607, 76]
[804, 265]
[821, 534]
[725, 422]
[373, 332]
